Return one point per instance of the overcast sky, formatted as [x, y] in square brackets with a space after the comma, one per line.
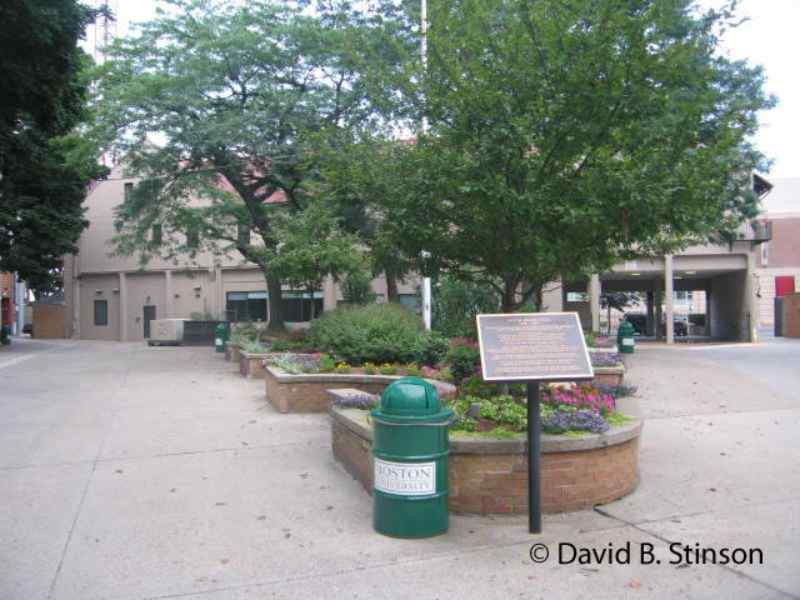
[771, 38]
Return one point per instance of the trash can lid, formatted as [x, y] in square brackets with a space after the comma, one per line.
[410, 397]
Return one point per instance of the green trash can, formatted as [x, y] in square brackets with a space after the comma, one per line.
[221, 335]
[625, 340]
[410, 452]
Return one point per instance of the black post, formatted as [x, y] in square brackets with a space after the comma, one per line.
[534, 458]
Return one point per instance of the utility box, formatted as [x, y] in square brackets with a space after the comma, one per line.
[166, 332]
[410, 449]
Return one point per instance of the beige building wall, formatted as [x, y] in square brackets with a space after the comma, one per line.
[191, 286]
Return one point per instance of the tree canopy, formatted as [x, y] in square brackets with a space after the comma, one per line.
[239, 93]
[566, 135]
[44, 166]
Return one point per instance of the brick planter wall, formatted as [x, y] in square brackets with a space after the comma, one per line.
[308, 392]
[251, 365]
[613, 376]
[491, 476]
[232, 352]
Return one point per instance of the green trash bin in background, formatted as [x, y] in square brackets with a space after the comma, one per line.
[625, 340]
[410, 451]
[221, 335]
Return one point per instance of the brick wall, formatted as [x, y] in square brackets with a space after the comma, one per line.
[48, 321]
[497, 483]
[309, 396]
[308, 393]
[791, 315]
[251, 365]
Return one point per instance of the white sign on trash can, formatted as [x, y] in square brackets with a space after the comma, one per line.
[405, 479]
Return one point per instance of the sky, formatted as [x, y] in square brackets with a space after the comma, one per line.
[771, 38]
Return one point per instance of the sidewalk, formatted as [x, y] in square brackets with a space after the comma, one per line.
[132, 472]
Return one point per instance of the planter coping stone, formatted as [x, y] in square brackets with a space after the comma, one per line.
[609, 370]
[284, 377]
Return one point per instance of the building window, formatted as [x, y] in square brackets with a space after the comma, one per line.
[246, 306]
[101, 312]
[410, 301]
[577, 297]
[156, 234]
[297, 306]
[128, 191]
[765, 254]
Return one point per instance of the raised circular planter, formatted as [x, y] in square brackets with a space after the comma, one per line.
[307, 392]
[232, 352]
[489, 476]
[251, 364]
[613, 376]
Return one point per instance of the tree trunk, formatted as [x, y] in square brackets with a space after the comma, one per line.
[275, 299]
[392, 295]
[509, 303]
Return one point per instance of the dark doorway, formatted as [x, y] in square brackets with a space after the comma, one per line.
[149, 315]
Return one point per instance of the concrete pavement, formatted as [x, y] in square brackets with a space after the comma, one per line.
[130, 472]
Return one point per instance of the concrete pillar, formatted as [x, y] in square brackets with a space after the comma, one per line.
[658, 294]
[669, 298]
[169, 296]
[594, 301]
[328, 294]
[650, 313]
[219, 289]
[76, 309]
[708, 310]
[750, 304]
[123, 307]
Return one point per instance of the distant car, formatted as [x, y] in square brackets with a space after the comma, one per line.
[681, 328]
[28, 328]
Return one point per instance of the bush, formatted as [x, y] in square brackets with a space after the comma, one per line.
[455, 304]
[464, 360]
[377, 333]
[431, 349]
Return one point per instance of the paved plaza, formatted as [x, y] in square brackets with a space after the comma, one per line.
[130, 472]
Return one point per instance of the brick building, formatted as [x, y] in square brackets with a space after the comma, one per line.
[778, 262]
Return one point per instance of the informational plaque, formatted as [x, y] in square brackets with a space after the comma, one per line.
[533, 347]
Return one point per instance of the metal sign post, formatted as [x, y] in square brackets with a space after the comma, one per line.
[534, 460]
[533, 348]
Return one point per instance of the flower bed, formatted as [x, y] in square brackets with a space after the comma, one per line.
[489, 475]
[609, 370]
[307, 392]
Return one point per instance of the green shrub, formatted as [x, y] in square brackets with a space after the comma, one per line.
[254, 347]
[326, 364]
[464, 361]
[431, 349]
[455, 304]
[242, 333]
[377, 333]
[357, 288]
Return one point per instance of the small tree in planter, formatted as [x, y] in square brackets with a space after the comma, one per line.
[312, 246]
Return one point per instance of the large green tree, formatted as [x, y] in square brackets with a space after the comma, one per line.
[568, 134]
[44, 166]
[237, 95]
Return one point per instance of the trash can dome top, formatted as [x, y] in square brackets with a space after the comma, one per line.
[410, 397]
